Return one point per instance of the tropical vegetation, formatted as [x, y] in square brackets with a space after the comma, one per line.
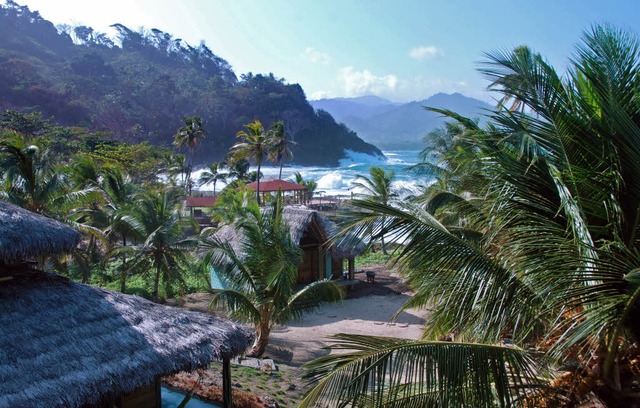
[78, 177]
[310, 184]
[261, 271]
[377, 187]
[190, 136]
[537, 282]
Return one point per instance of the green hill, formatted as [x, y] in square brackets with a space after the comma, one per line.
[139, 85]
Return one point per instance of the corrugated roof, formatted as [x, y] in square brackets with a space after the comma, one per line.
[270, 186]
[201, 201]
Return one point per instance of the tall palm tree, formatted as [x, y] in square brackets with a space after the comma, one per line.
[378, 188]
[254, 145]
[280, 150]
[261, 274]
[30, 180]
[212, 174]
[558, 266]
[120, 194]
[159, 244]
[190, 135]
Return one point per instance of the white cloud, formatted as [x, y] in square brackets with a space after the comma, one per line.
[358, 83]
[314, 96]
[426, 52]
[317, 57]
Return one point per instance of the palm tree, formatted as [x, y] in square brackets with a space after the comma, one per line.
[234, 204]
[280, 150]
[557, 268]
[451, 157]
[176, 164]
[310, 184]
[238, 169]
[261, 274]
[158, 241]
[190, 135]
[30, 180]
[377, 187]
[212, 174]
[254, 145]
[119, 192]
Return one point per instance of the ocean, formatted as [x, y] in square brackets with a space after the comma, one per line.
[338, 181]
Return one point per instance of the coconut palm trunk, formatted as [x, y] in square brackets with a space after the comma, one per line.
[258, 184]
[263, 330]
[156, 280]
[123, 272]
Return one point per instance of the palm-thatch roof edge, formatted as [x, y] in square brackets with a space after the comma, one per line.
[71, 344]
[24, 234]
[299, 219]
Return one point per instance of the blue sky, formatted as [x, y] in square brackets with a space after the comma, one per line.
[401, 50]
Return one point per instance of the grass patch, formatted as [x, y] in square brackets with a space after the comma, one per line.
[374, 256]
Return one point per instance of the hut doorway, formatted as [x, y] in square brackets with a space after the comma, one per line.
[308, 269]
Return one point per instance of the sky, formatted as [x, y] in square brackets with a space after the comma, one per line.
[401, 50]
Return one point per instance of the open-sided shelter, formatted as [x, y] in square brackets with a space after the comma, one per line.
[65, 344]
[198, 207]
[273, 186]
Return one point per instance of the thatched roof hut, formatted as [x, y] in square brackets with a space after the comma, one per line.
[312, 232]
[302, 220]
[24, 234]
[65, 344]
[69, 344]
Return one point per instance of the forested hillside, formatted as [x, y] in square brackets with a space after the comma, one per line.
[139, 84]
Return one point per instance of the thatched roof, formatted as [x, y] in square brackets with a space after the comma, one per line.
[300, 219]
[68, 344]
[24, 234]
[272, 186]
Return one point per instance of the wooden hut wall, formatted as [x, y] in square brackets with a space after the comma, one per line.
[144, 397]
[308, 269]
[337, 266]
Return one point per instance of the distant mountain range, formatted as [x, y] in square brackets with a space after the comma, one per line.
[391, 125]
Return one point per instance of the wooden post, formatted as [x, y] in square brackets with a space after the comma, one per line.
[226, 383]
[352, 268]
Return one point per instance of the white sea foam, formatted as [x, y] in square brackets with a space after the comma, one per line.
[357, 158]
[339, 180]
[331, 181]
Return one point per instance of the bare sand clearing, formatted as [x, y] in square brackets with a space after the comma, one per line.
[303, 340]
[367, 310]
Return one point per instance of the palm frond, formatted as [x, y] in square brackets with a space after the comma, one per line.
[379, 371]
